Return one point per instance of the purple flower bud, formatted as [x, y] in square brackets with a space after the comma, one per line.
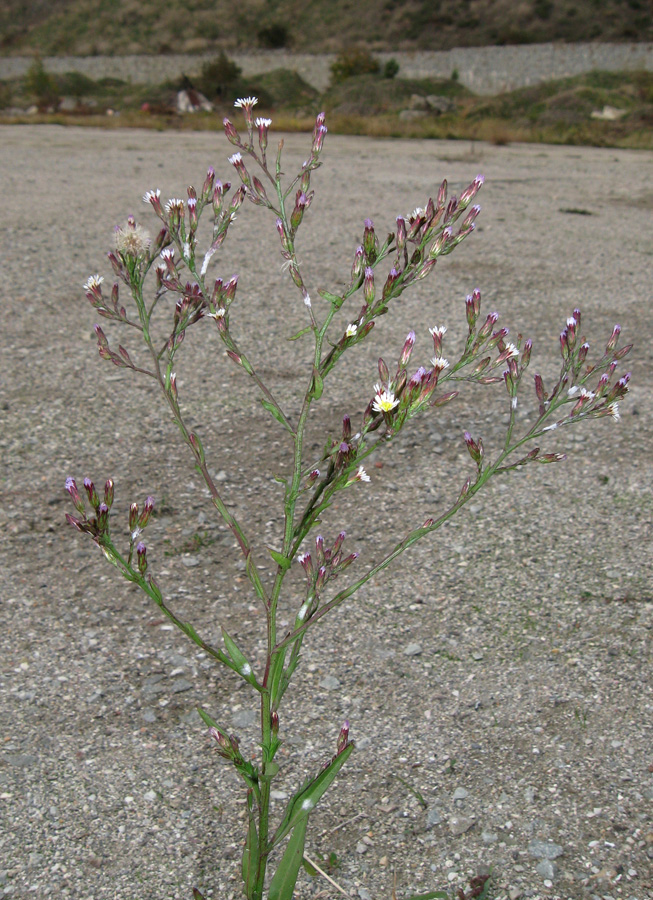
[230, 289]
[510, 384]
[76, 523]
[487, 326]
[497, 339]
[401, 233]
[471, 215]
[321, 579]
[274, 722]
[407, 350]
[71, 487]
[306, 562]
[384, 373]
[470, 192]
[469, 312]
[346, 428]
[440, 243]
[614, 337]
[347, 561]
[192, 213]
[564, 345]
[148, 506]
[337, 544]
[370, 241]
[103, 517]
[442, 193]
[93, 498]
[319, 134]
[232, 135]
[343, 737]
[141, 552]
[314, 475]
[368, 285]
[475, 449]
[108, 493]
[319, 550]
[357, 265]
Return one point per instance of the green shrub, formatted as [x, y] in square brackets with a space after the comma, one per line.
[273, 36]
[391, 69]
[75, 84]
[353, 61]
[40, 85]
[218, 76]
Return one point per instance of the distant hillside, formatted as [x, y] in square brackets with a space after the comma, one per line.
[89, 27]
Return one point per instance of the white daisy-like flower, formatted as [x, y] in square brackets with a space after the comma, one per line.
[235, 159]
[351, 330]
[571, 322]
[151, 196]
[385, 400]
[614, 411]
[416, 213]
[361, 474]
[440, 363]
[586, 395]
[511, 350]
[167, 253]
[245, 102]
[93, 283]
[174, 204]
[218, 314]
[438, 331]
[263, 123]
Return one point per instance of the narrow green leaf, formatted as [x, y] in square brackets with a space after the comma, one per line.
[253, 576]
[271, 769]
[309, 795]
[318, 384]
[274, 679]
[284, 880]
[432, 895]
[332, 298]
[206, 718]
[278, 415]
[240, 660]
[309, 868]
[251, 852]
[280, 559]
[300, 333]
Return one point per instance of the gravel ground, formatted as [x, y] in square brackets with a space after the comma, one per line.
[497, 681]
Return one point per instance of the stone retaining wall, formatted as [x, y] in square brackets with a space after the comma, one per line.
[485, 70]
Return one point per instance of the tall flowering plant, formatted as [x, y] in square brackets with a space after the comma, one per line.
[171, 270]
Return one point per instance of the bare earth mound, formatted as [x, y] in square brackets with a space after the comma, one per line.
[498, 682]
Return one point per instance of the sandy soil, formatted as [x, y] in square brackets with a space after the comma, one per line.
[520, 728]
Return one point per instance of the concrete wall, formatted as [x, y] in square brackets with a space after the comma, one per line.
[485, 70]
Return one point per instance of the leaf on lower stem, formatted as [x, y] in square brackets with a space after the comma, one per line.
[251, 852]
[283, 882]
